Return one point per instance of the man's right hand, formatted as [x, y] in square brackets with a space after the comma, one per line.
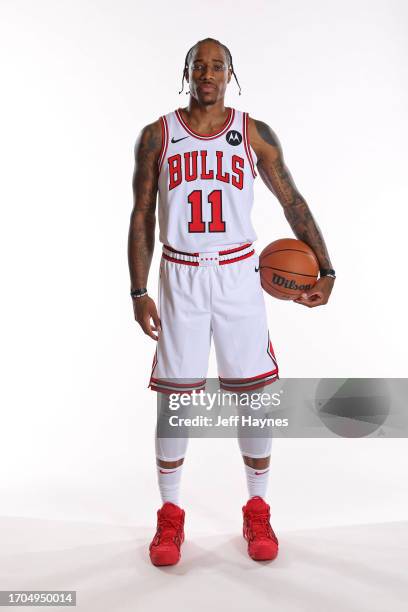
[145, 309]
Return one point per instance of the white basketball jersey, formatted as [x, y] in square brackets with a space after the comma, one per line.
[205, 184]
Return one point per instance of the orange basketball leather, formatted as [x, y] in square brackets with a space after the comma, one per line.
[288, 267]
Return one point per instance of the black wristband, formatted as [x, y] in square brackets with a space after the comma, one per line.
[136, 293]
[328, 272]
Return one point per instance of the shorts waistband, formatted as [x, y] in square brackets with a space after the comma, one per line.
[215, 258]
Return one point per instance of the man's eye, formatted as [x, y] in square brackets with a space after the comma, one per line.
[217, 67]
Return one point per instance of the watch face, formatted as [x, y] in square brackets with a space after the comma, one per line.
[138, 292]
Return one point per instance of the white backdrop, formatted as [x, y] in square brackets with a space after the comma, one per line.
[79, 81]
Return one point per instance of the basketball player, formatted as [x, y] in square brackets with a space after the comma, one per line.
[203, 160]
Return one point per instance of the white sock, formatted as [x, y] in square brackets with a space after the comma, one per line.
[169, 483]
[257, 481]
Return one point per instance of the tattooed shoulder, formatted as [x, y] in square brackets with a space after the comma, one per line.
[149, 140]
[266, 133]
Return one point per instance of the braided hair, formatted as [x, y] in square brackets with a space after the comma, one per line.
[190, 53]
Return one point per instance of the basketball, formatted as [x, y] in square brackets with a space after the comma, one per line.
[288, 267]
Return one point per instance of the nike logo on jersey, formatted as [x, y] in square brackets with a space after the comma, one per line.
[260, 473]
[173, 140]
[161, 472]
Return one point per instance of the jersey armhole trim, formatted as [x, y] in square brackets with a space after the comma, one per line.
[165, 141]
[247, 144]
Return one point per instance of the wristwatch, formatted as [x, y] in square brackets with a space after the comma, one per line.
[327, 272]
[137, 293]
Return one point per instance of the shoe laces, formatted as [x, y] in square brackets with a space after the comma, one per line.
[168, 528]
[259, 525]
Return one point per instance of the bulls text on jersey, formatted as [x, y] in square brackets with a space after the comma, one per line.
[192, 165]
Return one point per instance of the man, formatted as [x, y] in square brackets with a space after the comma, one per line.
[202, 161]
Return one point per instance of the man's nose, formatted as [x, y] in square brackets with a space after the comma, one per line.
[208, 72]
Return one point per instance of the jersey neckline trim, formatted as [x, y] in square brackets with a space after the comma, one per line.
[224, 128]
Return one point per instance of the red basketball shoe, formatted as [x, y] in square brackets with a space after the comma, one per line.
[262, 541]
[165, 547]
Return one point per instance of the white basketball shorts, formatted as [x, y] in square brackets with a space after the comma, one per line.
[205, 295]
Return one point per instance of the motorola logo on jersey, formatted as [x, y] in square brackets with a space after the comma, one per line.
[233, 138]
[195, 165]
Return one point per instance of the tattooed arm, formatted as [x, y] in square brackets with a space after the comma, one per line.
[143, 223]
[278, 179]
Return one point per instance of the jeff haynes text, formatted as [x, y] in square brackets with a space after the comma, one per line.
[231, 421]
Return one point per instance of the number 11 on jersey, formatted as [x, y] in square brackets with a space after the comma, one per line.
[197, 224]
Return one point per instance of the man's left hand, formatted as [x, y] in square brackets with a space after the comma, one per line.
[319, 294]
